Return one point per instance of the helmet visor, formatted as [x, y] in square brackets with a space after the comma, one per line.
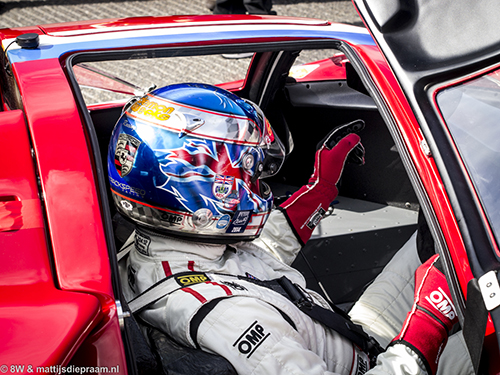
[272, 147]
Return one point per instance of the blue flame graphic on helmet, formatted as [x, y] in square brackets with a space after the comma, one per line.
[193, 170]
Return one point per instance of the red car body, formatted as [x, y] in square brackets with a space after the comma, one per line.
[58, 303]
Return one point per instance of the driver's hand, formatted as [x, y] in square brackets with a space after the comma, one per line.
[432, 316]
[306, 207]
[329, 162]
[357, 155]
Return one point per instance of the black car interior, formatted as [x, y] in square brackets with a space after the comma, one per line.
[339, 263]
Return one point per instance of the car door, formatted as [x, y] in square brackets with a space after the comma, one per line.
[446, 58]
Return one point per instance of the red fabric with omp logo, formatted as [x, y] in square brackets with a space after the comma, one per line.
[432, 316]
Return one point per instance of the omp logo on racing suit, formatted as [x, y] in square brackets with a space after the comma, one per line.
[190, 278]
[362, 366]
[251, 339]
[441, 302]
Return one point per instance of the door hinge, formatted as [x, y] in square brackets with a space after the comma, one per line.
[490, 290]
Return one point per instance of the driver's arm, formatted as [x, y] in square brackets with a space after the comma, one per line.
[254, 337]
[287, 231]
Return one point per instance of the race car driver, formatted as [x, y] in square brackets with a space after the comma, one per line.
[186, 164]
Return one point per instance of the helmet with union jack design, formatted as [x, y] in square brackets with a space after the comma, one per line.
[189, 159]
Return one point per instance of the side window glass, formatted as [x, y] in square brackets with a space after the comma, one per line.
[118, 80]
[472, 113]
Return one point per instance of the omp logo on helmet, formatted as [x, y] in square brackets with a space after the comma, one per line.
[191, 278]
[170, 218]
[126, 148]
[251, 339]
[441, 302]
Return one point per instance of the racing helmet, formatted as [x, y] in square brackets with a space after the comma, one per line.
[188, 159]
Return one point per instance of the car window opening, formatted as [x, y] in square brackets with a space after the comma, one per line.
[376, 211]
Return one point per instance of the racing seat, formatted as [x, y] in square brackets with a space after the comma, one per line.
[178, 359]
[155, 353]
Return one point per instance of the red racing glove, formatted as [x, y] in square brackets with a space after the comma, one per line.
[306, 207]
[432, 316]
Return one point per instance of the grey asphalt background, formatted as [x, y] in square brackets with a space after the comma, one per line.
[213, 70]
[16, 13]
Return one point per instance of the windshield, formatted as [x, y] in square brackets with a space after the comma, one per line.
[472, 112]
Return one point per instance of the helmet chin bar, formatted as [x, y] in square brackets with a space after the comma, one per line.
[200, 226]
[192, 237]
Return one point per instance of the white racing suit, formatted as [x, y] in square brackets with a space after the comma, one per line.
[257, 330]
